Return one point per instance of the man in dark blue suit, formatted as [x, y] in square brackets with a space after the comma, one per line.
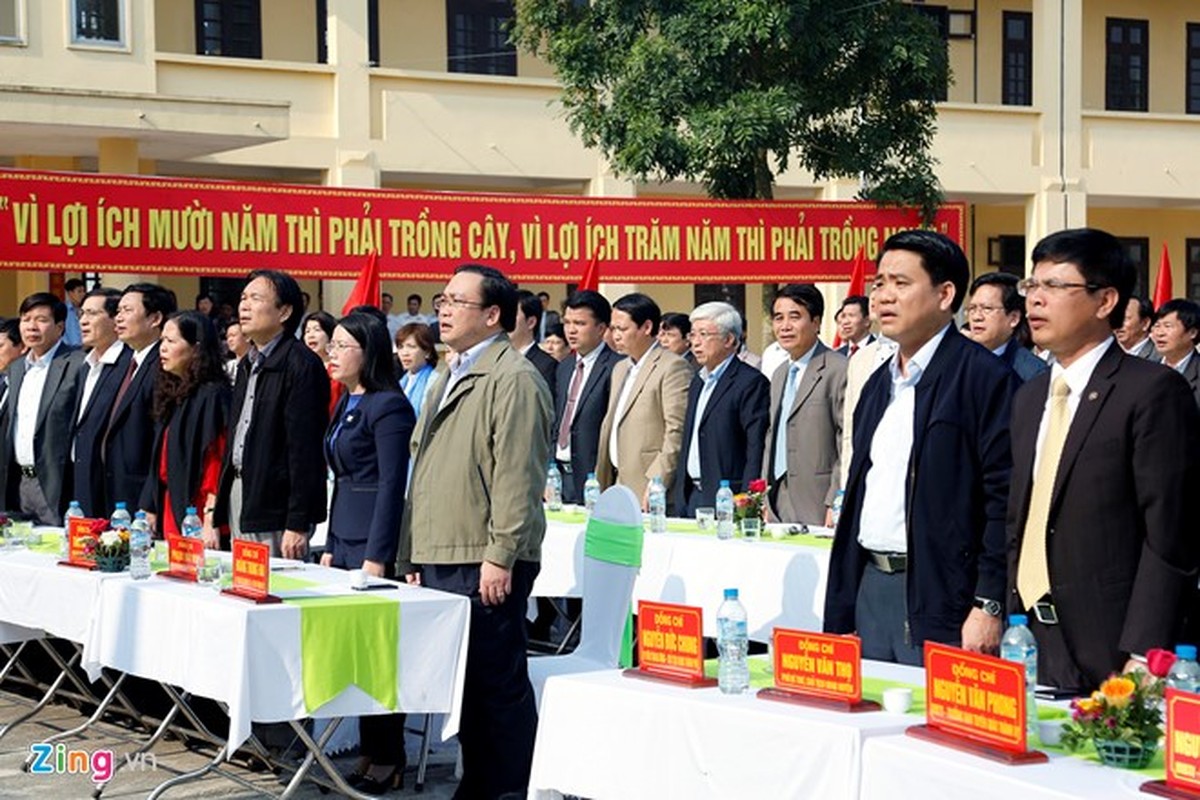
[581, 394]
[101, 373]
[919, 551]
[996, 319]
[728, 412]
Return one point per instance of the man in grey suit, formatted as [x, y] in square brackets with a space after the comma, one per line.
[1134, 334]
[37, 440]
[802, 462]
[1175, 333]
[995, 315]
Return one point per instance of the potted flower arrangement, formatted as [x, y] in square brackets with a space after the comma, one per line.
[110, 550]
[751, 506]
[1122, 719]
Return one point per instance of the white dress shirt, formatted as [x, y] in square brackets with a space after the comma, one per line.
[589, 364]
[96, 362]
[883, 523]
[1077, 376]
[1183, 362]
[710, 383]
[29, 401]
[623, 399]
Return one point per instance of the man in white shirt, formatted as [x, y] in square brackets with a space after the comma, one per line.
[919, 549]
[1102, 548]
[44, 387]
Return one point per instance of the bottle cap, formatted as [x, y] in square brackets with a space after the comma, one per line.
[1018, 619]
[1187, 651]
[120, 504]
[724, 484]
[591, 476]
[731, 594]
[190, 510]
[140, 515]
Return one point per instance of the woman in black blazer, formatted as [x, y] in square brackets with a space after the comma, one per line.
[366, 447]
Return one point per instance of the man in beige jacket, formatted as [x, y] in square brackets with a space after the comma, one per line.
[473, 524]
[643, 428]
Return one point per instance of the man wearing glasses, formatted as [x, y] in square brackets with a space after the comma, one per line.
[996, 320]
[1101, 551]
[483, 439]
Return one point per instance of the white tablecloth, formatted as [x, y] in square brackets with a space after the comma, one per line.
[36, 593]
[897, 767]
[781, 585]
[602, 735]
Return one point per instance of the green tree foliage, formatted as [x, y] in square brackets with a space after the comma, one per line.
[729, 92]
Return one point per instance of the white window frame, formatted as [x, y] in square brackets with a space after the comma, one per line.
[122, 41]
[21, 38]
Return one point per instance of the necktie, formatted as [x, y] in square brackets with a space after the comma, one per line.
[781, 423]
[564, 429]
[1033, 573]
[853, 348]
[112, 415]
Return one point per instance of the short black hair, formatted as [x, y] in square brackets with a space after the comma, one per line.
[1099, 257]
[57, 307]
[544, 294]
[1006, 282]
[556, 329]
[594, 302]
[497, 290]
[378, 366]
[73, 284]
[531, 306]
[12, 329]
[1145, 308]
[287, 293]
[859, 300]
[388, 295]
[416, 297]
[1188, 312]
[641, 309]
[675, 321]
[112, 298]
[322, 318]
[373, 311]
[941, 257]
[154, 299]
[803, 294]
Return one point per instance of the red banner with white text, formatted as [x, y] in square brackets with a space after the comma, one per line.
[87, 222]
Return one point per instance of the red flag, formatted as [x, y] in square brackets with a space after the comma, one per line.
[366, 290]
[591, 276]
[858, 281]
[1162, 287]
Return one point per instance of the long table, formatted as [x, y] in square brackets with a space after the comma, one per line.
[781, 584]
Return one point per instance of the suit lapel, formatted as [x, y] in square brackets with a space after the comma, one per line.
[813, 375]
[726, 380]
[619, 372]
[54, 378]
[600, 372]
[1090, 404]
[143, 374]
[639, 382]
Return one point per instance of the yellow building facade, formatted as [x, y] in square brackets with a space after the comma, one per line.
[1062, 113]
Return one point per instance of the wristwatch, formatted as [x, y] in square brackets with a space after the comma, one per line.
[989, 607]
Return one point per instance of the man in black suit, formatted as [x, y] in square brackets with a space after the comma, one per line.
[854, 324]
[273, 480]
[128, 432]
[11, 349]
[1102, 551]
[103, 368]
[1133, 330]
[581, 397]
[728, 413]
[919, 550]
[1176, 332]
[995, 315]
[529, 318]
[43, 386]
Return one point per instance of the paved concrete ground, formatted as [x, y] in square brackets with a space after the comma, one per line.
[173, 759]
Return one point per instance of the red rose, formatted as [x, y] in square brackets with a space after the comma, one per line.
[758, 485]
[1159, 662]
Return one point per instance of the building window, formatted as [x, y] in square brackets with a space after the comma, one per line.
[96, 21]
[1126, 68]
[229, 28]
[477, 31]
[1137, 250]
[322, 31]
[1192, 289]
[1018, 58]
[940, 16]
[1008, 254]
[10, 21]
[1193, 68]
[373, 32]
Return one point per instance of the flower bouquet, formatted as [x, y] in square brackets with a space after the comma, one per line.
[110, 550]
[1122, 719]
[749, 509]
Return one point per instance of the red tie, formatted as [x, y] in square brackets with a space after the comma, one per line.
[853, 348]
[564, 430]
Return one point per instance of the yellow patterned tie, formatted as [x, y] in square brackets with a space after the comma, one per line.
[1033, 574]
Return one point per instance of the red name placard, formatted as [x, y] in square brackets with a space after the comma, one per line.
[976, 703]
[1183, 747]
[819, 664]
[670, 642]
[79, 531]
[119, 223]
[185, 556]
[251, 572]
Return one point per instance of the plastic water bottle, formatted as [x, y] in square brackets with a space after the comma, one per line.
[724, 509]
[191, 525]
[591, 492]
[658, 506]
[73, 512]
[554, 487]
[1019, 645]
[120, 519]
[1185, 672]
[139, 547]
[733, 671]
[836, 508]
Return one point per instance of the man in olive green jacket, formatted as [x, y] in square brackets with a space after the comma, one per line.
[473, 524]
